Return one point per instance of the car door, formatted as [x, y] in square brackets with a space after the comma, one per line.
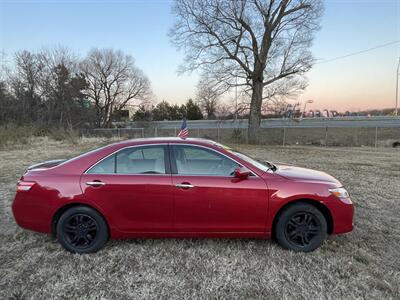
[134, 187]
[208, 198]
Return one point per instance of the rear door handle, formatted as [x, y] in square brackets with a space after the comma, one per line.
[95, 183]
[184, 185]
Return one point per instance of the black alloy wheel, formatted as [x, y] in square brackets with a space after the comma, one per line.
[301, 227]
[82, 229]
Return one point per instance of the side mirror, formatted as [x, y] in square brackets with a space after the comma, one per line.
[242, 173]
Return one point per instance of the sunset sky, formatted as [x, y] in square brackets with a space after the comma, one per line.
[140, 28]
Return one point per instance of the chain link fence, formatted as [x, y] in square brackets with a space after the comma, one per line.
[324, 136]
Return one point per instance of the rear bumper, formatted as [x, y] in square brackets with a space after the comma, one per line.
[29, 213]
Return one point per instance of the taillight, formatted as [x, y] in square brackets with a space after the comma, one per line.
[24, 186]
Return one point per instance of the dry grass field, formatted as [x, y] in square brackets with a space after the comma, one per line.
[362, 264]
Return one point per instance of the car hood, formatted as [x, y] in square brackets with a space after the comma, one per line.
[304, 174]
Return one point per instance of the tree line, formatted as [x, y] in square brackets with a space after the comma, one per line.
[166, 111]
[55, 87]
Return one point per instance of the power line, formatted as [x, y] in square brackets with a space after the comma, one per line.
[358, 52]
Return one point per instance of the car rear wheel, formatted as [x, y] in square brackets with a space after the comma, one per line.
[301, 227]
[82, 229]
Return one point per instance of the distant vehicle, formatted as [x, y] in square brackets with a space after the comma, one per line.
[170, 187]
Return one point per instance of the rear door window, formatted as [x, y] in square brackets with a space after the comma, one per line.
[106, 166]
[133, 160]
[141, 160]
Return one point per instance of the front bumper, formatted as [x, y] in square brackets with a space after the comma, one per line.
[342, 214]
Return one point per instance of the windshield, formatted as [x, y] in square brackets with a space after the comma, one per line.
[262, 166]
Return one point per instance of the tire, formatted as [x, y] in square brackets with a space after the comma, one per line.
[82, 229]
[301, 227]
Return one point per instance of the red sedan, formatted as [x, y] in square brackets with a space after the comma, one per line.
[179, 188]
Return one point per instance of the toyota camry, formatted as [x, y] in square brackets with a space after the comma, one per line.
[179, 188]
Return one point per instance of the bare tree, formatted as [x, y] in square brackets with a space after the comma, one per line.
[24, 81]
[113, 82]
[247, 43]
[208, 97]
[60, 87]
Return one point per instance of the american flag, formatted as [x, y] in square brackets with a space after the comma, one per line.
[184, 132]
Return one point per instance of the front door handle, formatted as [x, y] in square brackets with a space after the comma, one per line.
[184, 185]
[95, 183]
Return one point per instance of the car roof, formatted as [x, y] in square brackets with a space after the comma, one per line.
[143, 141]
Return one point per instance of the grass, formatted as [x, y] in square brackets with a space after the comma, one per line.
[22, 135]
[362, 264]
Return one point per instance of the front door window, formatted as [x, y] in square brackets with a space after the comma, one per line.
[192, 160]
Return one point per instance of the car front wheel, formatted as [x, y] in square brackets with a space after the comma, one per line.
[82, 229]
[301, 227]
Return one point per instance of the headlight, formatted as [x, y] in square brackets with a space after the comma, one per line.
[342, 194]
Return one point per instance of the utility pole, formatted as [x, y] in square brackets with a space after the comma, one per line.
[397, 88]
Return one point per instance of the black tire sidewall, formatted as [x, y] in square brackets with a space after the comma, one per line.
[285, 217]
[101, 236]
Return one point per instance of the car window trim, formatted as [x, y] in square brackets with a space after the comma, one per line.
[170, 162]
[174, 167]
[167, 161]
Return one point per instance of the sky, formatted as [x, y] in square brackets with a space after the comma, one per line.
[140, 28]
